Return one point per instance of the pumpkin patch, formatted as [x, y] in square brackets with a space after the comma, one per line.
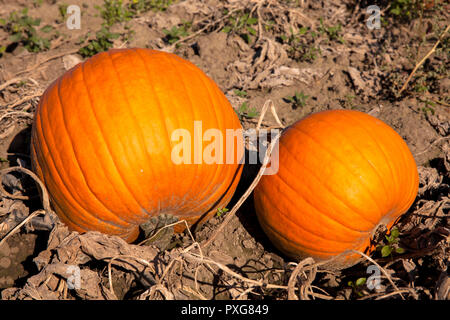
[341, 174]
[224, 150]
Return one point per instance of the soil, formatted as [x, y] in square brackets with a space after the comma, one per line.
[360, 69]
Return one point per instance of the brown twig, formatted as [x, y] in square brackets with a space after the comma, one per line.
[44, 195]
[10, 82]
[381, 269]
[14, 230]
[244, 197]
[122, 258]
[431, 145]
[423, 59]
[227, 270]
[379, 296]
[47, 59]
[294, 278]
[258, 176]
[435, 101]
[19, 113]
[191, 36]
[24, 99]
[266, 105]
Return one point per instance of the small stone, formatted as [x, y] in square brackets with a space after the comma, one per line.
[5, 262]
[71, 61]
[6, 282]
[444, 85]
[15, 250]
[5, 250]
[248, 244]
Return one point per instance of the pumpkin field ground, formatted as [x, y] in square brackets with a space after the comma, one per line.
[304, 56]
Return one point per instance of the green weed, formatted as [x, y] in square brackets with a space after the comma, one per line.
[391, 244]
[357, 286]
[406, 10]
[113, 11]
[221, 211]
[240, 93]
[428, 107]
[23, 30]
[245, 111]
[116, 11]
[62, 9]
[243, 24]
[297, 100]
[333, 33]
[300, 45]
[37, 3]
[177, 32]
[141, 6]
[103, 41]
[348, 102]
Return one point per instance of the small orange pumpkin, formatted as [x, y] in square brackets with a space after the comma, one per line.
[102, 142]
[341, 174]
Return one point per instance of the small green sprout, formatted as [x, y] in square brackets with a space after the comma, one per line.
[392, 244]
[102, 42]
[297, 100]
[24, 30]
[333, 32]
[221, 211]
[300, 45]
[240, 93]
[177, 32]
[245, 111]
[242, 24]
[357, 286]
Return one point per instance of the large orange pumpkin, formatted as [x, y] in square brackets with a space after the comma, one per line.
[341, 174]
[102, 142]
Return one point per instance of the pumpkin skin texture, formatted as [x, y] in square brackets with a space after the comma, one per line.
[342, 173]
[102, 142]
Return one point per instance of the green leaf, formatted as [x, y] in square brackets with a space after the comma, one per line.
[114, 35]
[244, 107]
[395, 233]
[221, 211]
[400, 250]
[252, 113]
[289, 99]
[252, 21]
[252, 30]
[47, 28]
[386, 251]
[390, 238]
[360, 282]
[396, 11]
[302, 30]
[36, 22]
[226, 29]
[15, 37]
[240, 93]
